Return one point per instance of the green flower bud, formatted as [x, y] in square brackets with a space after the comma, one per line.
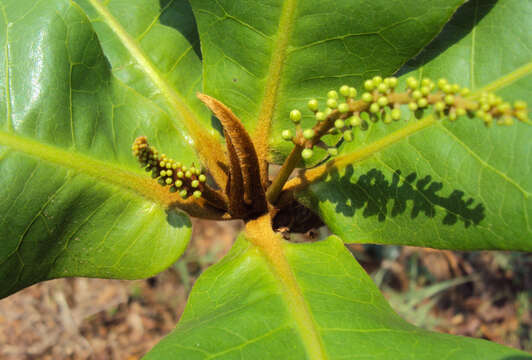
[441, 83]
[188, 174]
[455, 88]
[173, 189]
[202, 178]
[382, 101]
[161, 182]
[198, 171]
[343, 108]
[391, 82]
[374, 108]
[348, 136]
[308, 134]
[332, 94]
[174, 166]
[520, 105]
[339, 124]
[306, 154]
[369, 85]
[425, 90]
[521, 115]
[286, 135]
[178, 164]
[377, 80]
[295, 115]
[382, 88]
[452, 115]
[178, 183]
[412, 106]
[313, 104]
[332, 103]
[162, 164]
[355, 120]
[352, 92]
[439, 106]
[154, 175]
[169, 165]
[465, 91]
[460, 111]
[196, 194]
[508, 120]
[162, 173]
[412, 82]
[180, 174]
[416, 95]
[447, 88]
[183, 193]
[344, 90]
[194, 183]
[426, 82]
[449, 99]
[423, 102]
[169, 181]
[184, 168]
[332, 151]
[504, 107]
[396, 114]
[367, 97]
[320, 116]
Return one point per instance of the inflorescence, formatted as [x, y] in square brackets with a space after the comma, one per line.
[182, 179]
[343, 113]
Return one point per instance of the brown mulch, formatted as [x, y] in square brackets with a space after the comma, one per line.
[83, 318]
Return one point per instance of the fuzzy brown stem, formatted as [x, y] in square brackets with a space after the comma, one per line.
[214, 198]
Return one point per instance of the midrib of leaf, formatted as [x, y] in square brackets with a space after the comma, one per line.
[209, 149]
[310, 176]
[271, 90]
[107, 172]
[259, 232]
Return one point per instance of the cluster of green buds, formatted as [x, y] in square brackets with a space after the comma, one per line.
[186, 181]
[343, 112]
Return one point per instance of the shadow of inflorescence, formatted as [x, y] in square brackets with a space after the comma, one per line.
[374, 195]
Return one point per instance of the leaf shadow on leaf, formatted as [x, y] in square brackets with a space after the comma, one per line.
[458, 27]
[176, 219]
[372, 194]
[178, 15]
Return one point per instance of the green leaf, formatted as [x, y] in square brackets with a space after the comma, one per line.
[74, 201]
[158, 61]
[452, 185]
[275, 55]
[245, 308]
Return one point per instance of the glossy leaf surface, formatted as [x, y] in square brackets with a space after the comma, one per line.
[242, 309]
[452, 185]
[74, 202]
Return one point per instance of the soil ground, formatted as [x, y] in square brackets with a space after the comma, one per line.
[97, 319]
